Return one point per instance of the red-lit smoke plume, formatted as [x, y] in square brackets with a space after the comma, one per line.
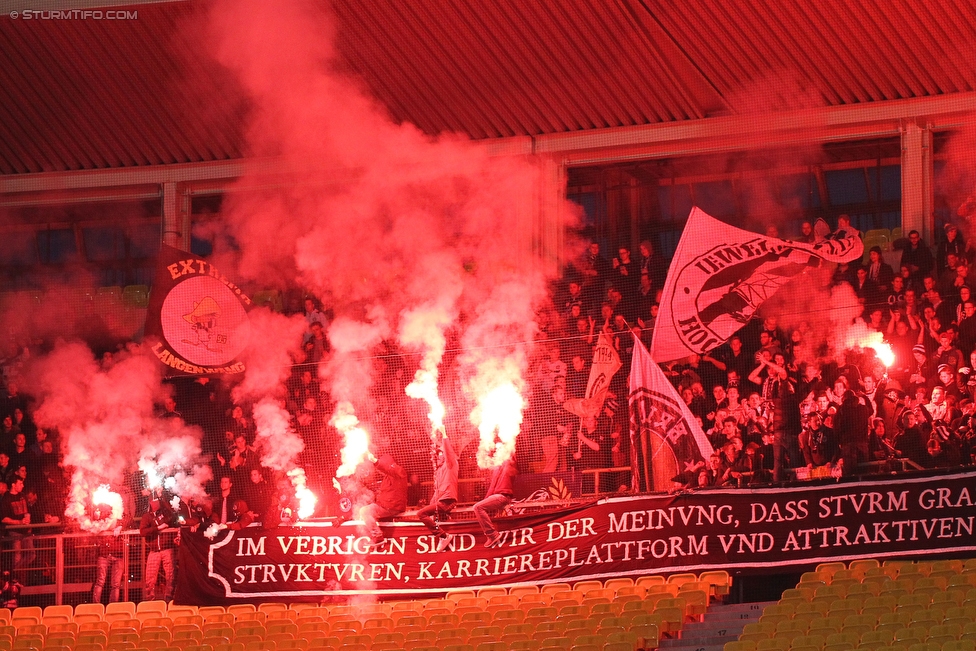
[275, 340]
[406, 235]
[104, 412]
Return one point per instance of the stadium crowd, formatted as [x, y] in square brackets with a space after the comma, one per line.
[774, 405]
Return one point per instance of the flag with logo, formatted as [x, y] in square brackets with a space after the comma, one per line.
[721, 274]
[606, 363]
[196, 322]
[666, 440]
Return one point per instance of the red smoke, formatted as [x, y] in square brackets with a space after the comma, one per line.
[104, 413]
[376, 218]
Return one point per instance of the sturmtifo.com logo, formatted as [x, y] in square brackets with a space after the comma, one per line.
[75, 14]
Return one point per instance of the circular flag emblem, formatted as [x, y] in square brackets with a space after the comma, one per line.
[204, 321]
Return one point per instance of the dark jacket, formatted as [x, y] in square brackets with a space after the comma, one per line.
[157, 527]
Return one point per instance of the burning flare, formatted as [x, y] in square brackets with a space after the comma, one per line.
[499, 412]
[105, 510]
[884, 353]
[306, 498]
[280, 445]
[875, 341]
[356, 446]
[423, 328]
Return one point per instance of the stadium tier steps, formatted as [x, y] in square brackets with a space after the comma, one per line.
[869, 606]
[720, 625]
[621, 614]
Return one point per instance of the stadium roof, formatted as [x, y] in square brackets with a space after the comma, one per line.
[100, 94]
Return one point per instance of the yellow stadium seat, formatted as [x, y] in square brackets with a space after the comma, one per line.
[681, 577]
[830, 568]
[909, 634]
[65, 610]
[616, 583]
[492, 591]
[773, 644]
[174, 612]
[648, 581]
[508, 616]
[959, 645]
[457, 595]
[23, 621]
[155, 606]
[86, 637]
[528, 645]
[571, 610]
[99, 627]
[238, 609]
[412, 620]
[126, 608]
[809, 640]
[720, 581]
[538, 599]
[738, 645]
[374, 624]
[288, 615]
[287, 642]
[553, 588]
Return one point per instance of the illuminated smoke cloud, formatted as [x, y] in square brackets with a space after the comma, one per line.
[306, 498]
[422, 328]
[829, 316]
[275, 339]
[402, 233]
[173, 460]
[275, 437]
[104, 413]
[349, 369]
[279, 447]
